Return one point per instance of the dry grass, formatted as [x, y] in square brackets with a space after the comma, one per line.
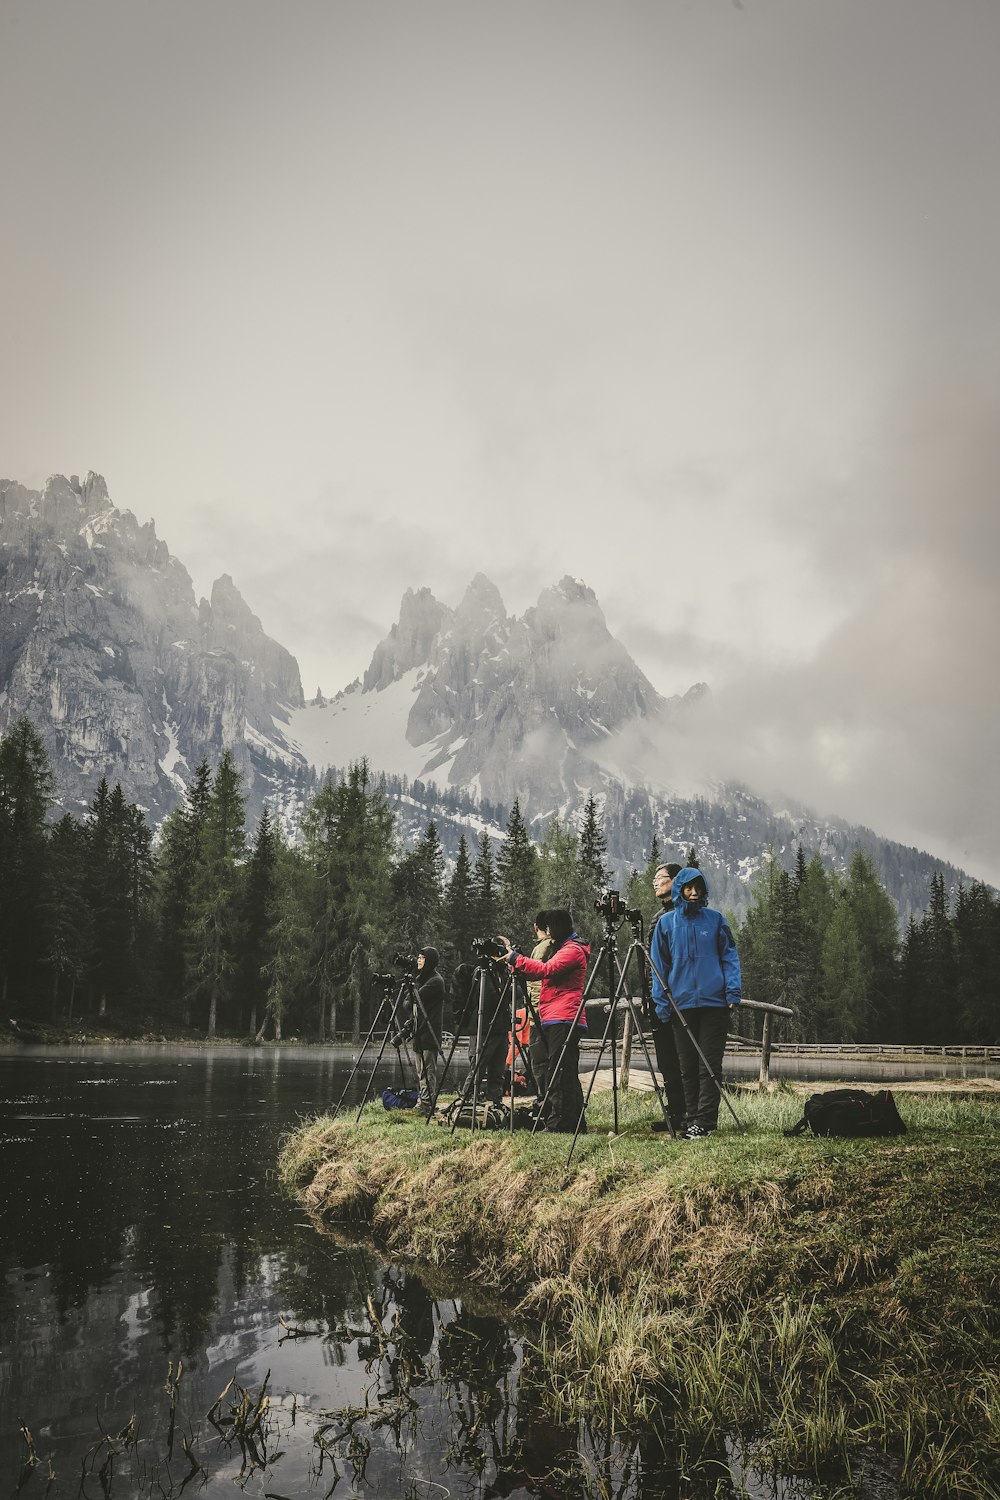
[827, 1293]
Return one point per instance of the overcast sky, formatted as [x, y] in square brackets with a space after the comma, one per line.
[698, 300]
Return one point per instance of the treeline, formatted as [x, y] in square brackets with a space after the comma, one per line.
[829, 947]
[198, 928]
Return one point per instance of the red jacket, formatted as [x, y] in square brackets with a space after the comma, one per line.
[562, 978]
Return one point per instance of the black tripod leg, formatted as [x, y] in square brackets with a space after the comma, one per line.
[637, 947]
[608, 1027]
[381, 1050]
[451, 1050]
[347, 1087]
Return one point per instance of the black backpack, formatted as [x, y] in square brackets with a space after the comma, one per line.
[850, 1112]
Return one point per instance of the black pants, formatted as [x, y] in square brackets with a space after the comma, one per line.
[708, 1024]
[665, 1047]
[565, 1093]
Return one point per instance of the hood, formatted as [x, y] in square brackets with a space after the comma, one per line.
[689, 873]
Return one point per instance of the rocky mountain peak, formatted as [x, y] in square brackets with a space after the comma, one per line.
[409, 642]
[481, 604]
[103, 647]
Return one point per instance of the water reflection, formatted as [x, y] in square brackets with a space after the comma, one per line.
[170, 1322]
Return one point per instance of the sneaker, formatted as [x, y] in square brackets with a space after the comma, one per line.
[696, 1132]
[663, 1126]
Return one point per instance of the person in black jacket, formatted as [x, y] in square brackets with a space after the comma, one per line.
[429, 1022]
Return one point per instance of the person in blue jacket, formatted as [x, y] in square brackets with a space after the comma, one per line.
[694, 955]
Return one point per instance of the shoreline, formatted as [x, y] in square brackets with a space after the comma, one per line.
[829, 1294]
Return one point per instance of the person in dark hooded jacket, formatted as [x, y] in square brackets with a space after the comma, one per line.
[429, 1020]
[562, 1021]
[694, 955]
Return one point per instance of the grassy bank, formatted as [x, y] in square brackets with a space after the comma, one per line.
[819, 1296]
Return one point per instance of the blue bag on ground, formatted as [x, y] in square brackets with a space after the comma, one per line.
[400, 1098]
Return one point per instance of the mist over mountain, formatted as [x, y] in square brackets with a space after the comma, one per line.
[125, 674]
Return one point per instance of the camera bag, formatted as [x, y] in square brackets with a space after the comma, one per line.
[850, 1112]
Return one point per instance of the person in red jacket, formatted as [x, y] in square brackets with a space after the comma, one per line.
[561, 1021]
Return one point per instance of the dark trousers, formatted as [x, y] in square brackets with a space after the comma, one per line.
[561, 1081]
[708, 1024]
[668, 1063]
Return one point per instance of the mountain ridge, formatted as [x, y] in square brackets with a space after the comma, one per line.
[104, 646]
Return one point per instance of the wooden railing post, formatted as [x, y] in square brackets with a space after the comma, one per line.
[765, 1052]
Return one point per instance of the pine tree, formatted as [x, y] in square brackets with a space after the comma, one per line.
[977, 980]
[935, 1019]
[878, 933]
[64, 911]
[120, 864]
[844, 978]
[565, 883]
[349, 837]
[593, 849]
[212, 929]
[459, 908]
[817, 898]
[518, 884]
[418, 888]
[484, 903]
[26, 789]
[259, 891]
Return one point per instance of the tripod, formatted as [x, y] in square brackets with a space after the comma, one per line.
[394, 1026]
[483, 976]
[405, 1008]
[618, 988]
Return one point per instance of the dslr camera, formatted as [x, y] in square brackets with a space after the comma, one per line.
[612, 907]
[484, 947]
[406, 962]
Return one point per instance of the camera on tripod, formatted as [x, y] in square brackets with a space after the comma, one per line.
[612, 907]
[484, 947]
[407, 962]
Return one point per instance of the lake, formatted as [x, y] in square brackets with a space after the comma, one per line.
[171, 1321]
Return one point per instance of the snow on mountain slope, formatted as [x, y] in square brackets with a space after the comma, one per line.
[370, 724]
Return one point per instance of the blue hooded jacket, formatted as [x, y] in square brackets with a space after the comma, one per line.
[695, 952]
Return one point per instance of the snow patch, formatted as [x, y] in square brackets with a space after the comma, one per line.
[173, 757]
[371, 724]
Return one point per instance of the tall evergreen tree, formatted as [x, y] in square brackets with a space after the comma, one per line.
[518, 883]
[565, 881]
[26, 789]
[593, 849]
[977, 978]
[877, 928]
[259, 890]
[64, 910]
[181, 835]
[212, 930]
[418, 888]
[459, 906]
[349, 835]
[484, 901]
[844, 976]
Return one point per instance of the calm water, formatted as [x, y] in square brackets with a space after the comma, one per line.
[142, 1231]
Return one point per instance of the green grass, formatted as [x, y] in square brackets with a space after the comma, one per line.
[817, 1295]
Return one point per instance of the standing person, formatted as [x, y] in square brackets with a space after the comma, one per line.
[561, 1020]
[694, 950]
[429, 1020]
[663, 1031]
